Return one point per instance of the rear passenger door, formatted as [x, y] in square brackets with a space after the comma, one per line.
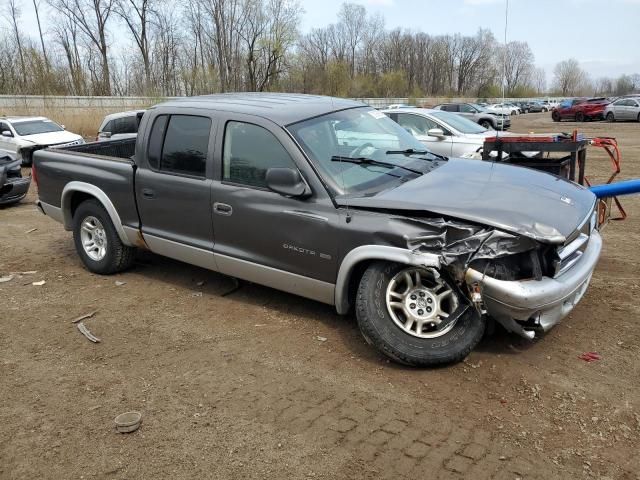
[260, 235]
[173, 185]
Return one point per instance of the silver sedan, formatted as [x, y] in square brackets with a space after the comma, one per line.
[623, 109]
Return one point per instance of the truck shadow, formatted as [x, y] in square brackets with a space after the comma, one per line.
[322, 319]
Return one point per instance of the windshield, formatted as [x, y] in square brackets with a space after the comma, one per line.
[458, 122]
[361, 133]
[33, 127]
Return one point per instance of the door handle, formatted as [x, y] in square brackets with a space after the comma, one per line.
[222, 208]
[148, 193]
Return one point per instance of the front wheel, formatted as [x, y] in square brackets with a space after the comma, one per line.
[555, 117]
[580, 117]
[611, 118]
[416, 316]
[97, 241]
[486, 124]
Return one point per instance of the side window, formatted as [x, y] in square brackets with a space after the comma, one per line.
[415, 124]
[249, 151]
[108, 127]
[451, 108]
[464, 108]
[3, 127]
[186, 143]
[129, 124]
[154, 148]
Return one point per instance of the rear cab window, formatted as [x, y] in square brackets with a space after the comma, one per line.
[179, 144]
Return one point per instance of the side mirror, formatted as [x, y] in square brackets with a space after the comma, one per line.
[7, 133]
[105, 134]
[435, 132]
[288, 182]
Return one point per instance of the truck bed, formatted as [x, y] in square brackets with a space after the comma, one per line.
[123, 149]
[105, 165]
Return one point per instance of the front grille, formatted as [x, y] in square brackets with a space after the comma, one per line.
[571, 252]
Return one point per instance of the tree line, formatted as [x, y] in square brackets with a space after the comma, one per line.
[189, 47]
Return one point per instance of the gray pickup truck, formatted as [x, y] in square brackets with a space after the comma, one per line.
[331, 200]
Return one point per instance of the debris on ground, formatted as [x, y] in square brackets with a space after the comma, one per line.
[128, 422]
[84, 317]
[590, 356]
[196, 294]
[8, 278]
[38, 284]
[119, 283]
[199, 284]
[31, 230]
[322, 339]
[85, 331]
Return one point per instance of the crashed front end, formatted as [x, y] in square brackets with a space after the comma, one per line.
[528, 283]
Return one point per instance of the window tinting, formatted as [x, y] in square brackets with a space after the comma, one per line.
[249, 151]
[185, 145]
[464, 108]
[124, 125]
[415, 124]
[154, 149]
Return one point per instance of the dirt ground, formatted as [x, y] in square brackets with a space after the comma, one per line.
[262, 384]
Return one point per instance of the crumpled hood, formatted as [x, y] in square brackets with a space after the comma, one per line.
[515, 199]
[52, 138]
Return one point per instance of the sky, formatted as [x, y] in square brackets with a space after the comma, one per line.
[603, 35]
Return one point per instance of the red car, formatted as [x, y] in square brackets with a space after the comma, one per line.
[580, 109]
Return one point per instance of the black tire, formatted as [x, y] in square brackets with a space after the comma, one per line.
[118, 256]
[514, 112]
[611, 118]
[638, 119]
[379, 329]
[580, 117]
[487, 124]
[555, 117]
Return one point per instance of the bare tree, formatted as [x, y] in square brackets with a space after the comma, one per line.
[138, 16]
[13, 14]
[519, 66]
[568, 77]
[36, 7]
[91, 18]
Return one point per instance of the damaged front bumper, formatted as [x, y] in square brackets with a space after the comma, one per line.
[529, 306]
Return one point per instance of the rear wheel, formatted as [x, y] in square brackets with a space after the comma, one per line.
[580, 117]
[555, 116]
[416, 316]
[97, 241]
[611, 118]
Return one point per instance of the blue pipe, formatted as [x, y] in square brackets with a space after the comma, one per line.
[627, 187]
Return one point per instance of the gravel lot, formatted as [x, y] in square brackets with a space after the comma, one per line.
[262, 384]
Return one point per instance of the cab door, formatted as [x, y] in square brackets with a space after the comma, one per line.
[285, 242]
[173, 185]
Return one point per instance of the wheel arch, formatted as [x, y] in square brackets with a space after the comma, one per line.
[357, 260]
[74, 193]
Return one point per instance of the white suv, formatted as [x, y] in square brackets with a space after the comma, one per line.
[21, 136]
[120, 125]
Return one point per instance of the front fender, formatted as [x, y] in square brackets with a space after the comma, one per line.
[375, 252]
